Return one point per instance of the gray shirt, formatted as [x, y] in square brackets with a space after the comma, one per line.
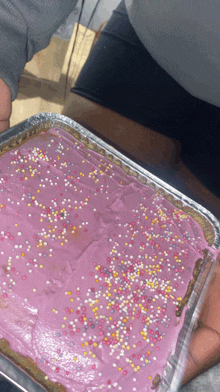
[26, 27]
[183, 36]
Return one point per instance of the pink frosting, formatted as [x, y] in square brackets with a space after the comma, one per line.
[92, 265]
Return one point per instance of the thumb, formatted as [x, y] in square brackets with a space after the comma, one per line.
[204, 348]
[5, 106]
[204, 352]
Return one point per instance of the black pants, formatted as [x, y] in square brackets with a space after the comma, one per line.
[121, 75]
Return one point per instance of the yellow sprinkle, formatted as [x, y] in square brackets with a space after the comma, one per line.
[34, 290]
[150, 378]
[119, 369]
[75, 359]
[41, 266]
[95, 344]
[65, 318]
[85, 353]
[63, 325]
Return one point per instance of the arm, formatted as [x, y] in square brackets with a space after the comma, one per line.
[26, 27]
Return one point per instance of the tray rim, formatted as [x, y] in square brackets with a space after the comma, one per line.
[37, 122]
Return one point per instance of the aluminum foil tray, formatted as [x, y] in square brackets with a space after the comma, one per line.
[174, 369]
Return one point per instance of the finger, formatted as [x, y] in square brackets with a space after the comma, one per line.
[5, 105]
[210, 312]
[204, 352]
[204, 348]
[4, 125]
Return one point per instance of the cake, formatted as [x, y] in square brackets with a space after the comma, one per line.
[96, 267]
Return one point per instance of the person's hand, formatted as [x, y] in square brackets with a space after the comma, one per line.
[5, 106]
[204, 349]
